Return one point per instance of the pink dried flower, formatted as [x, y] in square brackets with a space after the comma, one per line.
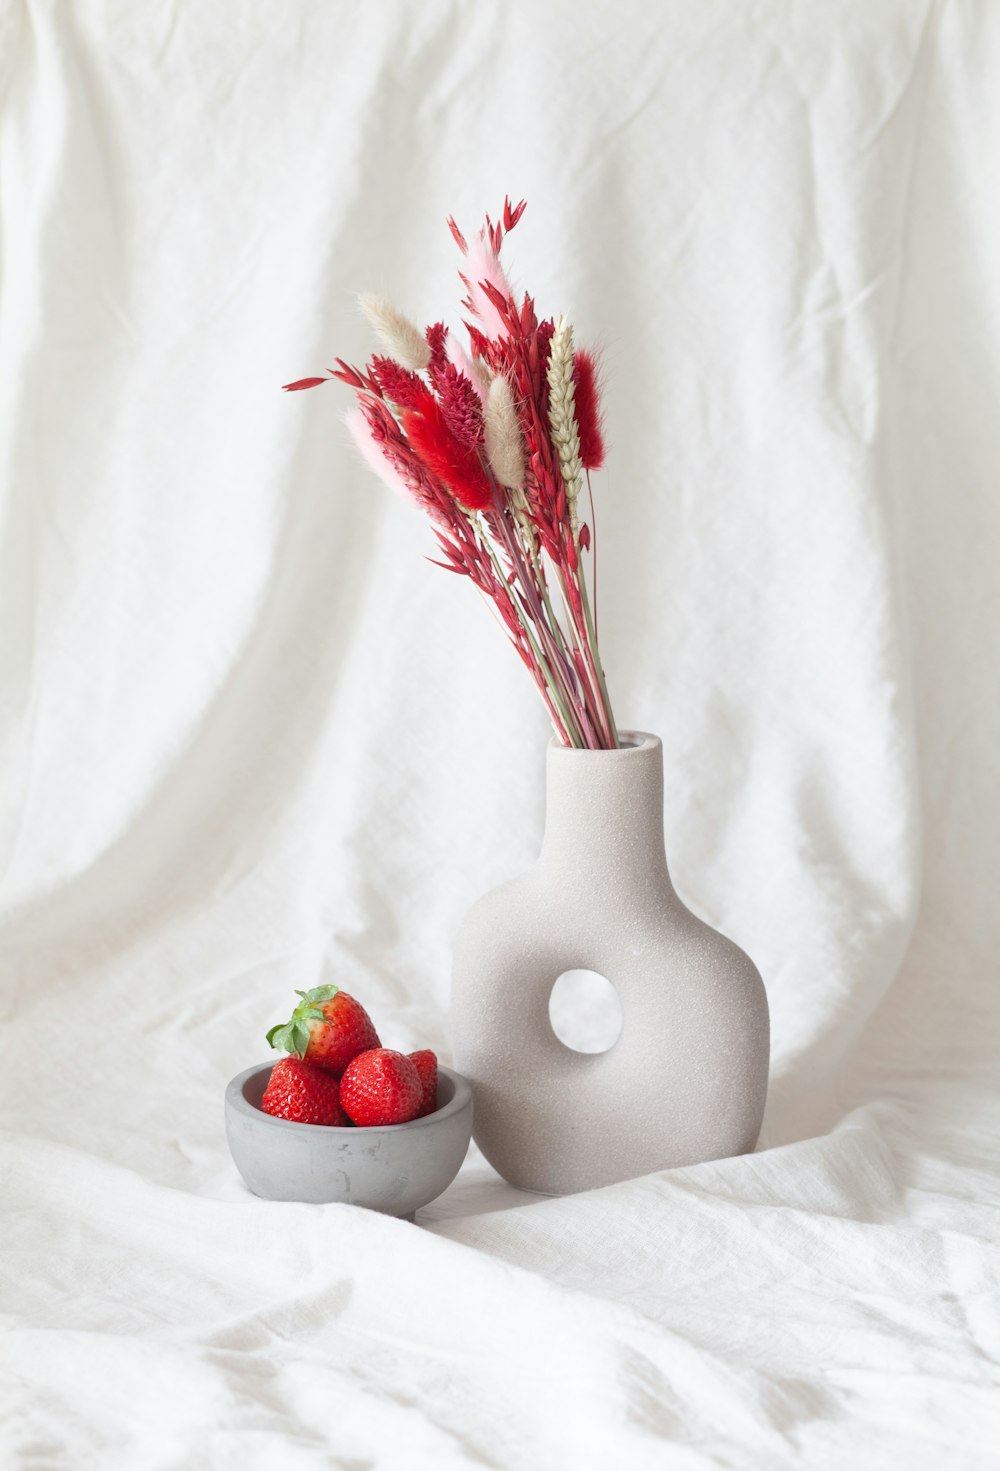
[374, 454]
[484, 279]
[473, 370]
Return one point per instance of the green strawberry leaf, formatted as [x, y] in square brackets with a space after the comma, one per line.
[298, 1039]
[293, 1036]
[319, 994]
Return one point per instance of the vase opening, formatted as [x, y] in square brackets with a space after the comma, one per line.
[628, 740]
[585, 1011]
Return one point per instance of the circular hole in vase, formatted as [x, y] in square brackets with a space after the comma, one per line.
[585, 1012]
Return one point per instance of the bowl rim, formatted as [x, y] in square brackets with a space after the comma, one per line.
[238, 1104]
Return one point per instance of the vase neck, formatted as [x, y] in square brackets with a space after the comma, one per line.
[606, 806]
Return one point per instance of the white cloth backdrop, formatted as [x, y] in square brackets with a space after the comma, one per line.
[251, 741]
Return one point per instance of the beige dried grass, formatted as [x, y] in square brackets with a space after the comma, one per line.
[562, 413]
[398, 335]
[504, 444]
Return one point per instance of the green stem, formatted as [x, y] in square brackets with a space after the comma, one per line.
[583, 641]
[561, 666]
[556, 623]
[596, 658]
[570, 725]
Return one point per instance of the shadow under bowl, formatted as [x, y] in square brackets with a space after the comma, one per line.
[392, 1168]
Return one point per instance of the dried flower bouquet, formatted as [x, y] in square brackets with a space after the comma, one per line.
[494, 443]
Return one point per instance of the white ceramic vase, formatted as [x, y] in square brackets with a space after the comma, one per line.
[686, 1080]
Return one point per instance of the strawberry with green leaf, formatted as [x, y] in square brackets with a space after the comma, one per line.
[327, 1028]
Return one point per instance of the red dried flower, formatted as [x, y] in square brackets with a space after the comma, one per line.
[436, 335]
[481, 345]
[404, 387]
[454, 463]
[512, 215]
[503, 303]
[588, 410]
[459, 238]
[461, 405]
[355, 378]
[303, 383]
[424, 432]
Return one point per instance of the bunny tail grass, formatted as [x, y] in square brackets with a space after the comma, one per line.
[401, 339]
[504, 445]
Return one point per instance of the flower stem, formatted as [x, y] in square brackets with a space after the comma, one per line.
[595, 659]
[570, 730]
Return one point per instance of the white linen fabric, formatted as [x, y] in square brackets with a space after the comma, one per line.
[252, 741]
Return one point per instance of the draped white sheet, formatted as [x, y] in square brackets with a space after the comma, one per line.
[250, 740]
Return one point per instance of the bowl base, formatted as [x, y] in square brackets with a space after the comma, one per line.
[391, 1168]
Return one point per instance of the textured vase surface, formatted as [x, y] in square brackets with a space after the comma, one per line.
[686, 1080]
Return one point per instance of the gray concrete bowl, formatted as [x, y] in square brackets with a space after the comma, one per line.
[393, 1168]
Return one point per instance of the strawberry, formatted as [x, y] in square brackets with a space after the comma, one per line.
[327, 1028]
[305, 1094]
[381, 1087]
[426, 1064]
